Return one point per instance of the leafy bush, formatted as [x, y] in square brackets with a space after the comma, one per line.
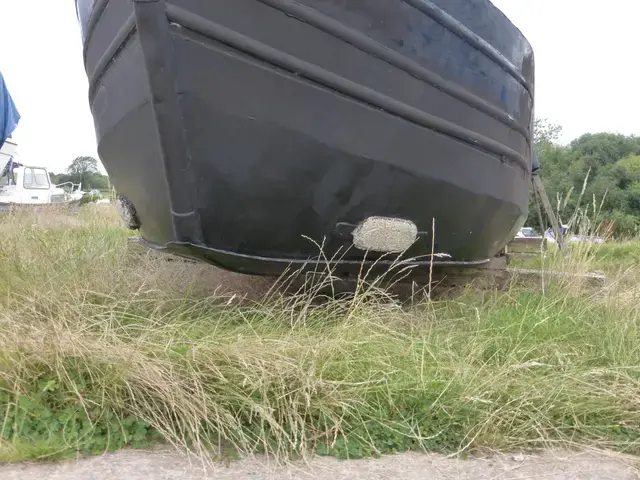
[611, 162]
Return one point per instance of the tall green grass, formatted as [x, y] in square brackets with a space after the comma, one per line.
[101, 349]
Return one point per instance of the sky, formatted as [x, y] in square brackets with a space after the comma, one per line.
[587, 70]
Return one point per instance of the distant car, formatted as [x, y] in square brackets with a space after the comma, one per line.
[550, 236]
[527, 232]
[95, 193]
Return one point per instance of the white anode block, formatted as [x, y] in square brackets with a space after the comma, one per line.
[384, 234]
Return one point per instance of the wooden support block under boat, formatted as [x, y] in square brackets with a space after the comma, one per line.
[526, 245]
[445, 281]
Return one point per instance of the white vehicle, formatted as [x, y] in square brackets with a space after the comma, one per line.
[549, 235]
[527, 232]
[29, 185]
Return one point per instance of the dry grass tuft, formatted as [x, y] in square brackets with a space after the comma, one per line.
[98, 351]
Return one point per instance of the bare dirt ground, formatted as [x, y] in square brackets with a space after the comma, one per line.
[165, 465]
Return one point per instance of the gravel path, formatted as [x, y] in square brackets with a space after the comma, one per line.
[163, 465]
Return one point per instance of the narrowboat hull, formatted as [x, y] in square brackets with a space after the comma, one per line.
[253, 133]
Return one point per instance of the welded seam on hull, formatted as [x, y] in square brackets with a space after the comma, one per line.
[109, 55]
[98, 9]
[299, 261]
[473, 39]
[340, 84]
[368, 45]
[158, 53]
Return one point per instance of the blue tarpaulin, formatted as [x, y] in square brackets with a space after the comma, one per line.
[9, 116]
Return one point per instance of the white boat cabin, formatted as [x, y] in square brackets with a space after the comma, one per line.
[21, 184]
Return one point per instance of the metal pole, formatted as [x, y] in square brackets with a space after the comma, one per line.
[539, 188]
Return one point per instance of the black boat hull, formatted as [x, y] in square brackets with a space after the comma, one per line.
[250, 133]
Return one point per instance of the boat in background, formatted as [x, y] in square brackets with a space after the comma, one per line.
[247, 133]
[28, 186]
[25, 185]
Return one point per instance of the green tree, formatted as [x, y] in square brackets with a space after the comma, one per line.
[96, 180]
[631, 166]
[82, 165]
[609, 162]
[605, 148]
[545, 132]
[83, 170]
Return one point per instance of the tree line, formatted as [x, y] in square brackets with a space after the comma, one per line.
[596, 176]
[83, 170]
